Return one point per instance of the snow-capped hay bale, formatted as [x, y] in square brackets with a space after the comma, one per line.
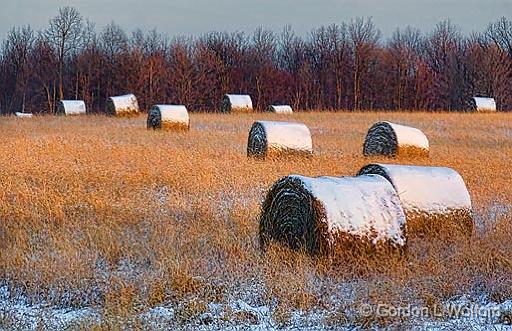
[169, 117]
[390, 139]
[23, 115]
[280, 109]
[236, 103]
[274, 139]
[71, 107]
[483, 105]
[325, 215]
[435, 199]
[123, 105]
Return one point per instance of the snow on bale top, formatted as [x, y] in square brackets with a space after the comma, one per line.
[390, 139]
[168, 117]
[23, 115]
[236, 103]
[123, 105]
[429, 195]
[483, 104]
[280, 109]
[71, 107]
[324, 213]
[274, 139]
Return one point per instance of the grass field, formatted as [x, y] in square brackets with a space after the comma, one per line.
[101, 213]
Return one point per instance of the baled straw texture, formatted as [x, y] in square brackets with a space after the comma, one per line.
[123, 105]
[236, 103]
[71, 107]
[435, 199]
[168, 117]
[280, 109]
[325, 215]
[276, 139]
[390, 139]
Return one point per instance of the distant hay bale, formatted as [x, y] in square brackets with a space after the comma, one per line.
[483, 105]
[71, 107]
[235, 103]
[123, 105]
[168, 117]
[23, 115]
[280, 109]
[274, 139]
[325, 215]
[435, 199]
[390, 139]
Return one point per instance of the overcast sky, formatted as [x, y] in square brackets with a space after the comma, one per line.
[193, 17]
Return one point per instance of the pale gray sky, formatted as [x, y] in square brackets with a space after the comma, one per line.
[193, 17]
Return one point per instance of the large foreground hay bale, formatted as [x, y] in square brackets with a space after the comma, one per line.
[23, 115]
[280, 109]
[483, 105]
[435, 199]
[325, 215]
[274, 139]
[236, 103]
[390, 139]
[71, 107]
[169, 117]
[123, 105]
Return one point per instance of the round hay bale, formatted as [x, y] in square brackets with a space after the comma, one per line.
[275, 139]
[236, 103]
[483, 105]
[71, 107]
[168, 117]
[123, 105]
[23, 115]
[280, 109]
[325, 215]
[435, 199]
[390, 139]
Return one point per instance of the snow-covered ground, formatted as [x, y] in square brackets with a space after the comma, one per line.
[461, 313]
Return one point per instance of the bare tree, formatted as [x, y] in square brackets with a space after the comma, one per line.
[17, 50]
[66, 35]
[404, 49]
[364, 37]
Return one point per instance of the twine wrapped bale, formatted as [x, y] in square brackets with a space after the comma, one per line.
[390, 139]
[169, 117]
[235, 103]
[276, 139]
[483, 105]
[123, 105]
[23, 115]
[71, 107]
[328, 215]
[280, 109]
[435, 199]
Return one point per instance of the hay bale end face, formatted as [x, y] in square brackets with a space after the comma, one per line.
[168, 117]
[71, 107]
[280, 109]
[23, 115]
[435, 199]
[236, 103]
[390, 139]
[483, 105]
[327, 215]
[276, 139]
[123, 105]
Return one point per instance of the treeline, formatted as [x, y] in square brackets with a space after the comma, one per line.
[347, 66]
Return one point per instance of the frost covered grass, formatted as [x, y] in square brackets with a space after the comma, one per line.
[138, 228]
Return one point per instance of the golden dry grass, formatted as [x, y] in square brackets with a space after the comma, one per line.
[98, 211]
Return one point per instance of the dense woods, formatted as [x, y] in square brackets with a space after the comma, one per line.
[346, 66]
